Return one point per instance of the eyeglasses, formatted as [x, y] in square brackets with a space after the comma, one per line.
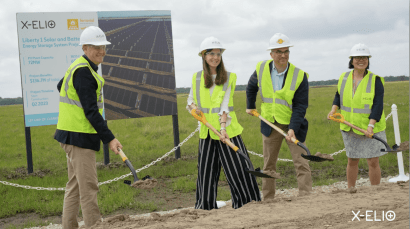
[280, 53]
[360, 57]
[214, 54]
[98, 47]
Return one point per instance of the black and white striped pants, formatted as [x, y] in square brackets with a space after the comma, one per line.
[213, 154]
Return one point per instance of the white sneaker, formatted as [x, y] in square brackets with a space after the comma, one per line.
[220, 204]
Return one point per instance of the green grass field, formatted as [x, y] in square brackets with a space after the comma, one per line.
[147, 139]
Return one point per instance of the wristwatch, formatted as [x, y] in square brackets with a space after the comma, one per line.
[371, 125]
[222, 128]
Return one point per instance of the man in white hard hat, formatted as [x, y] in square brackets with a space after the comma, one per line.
[81, 127]
[284, 91]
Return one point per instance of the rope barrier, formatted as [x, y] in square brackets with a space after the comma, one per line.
[152, 163]
[115, 179]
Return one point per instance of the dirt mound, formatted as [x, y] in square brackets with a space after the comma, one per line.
[404, 146]
[145, 184]
[111, 165]
[382, 206]
[22, 173]
[325, 156]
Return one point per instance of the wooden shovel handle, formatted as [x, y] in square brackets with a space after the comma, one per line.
[341, 119]
[255, 113]
[202, 119]
[229, 143]
[122, 155]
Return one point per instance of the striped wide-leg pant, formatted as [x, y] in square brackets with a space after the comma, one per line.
[211, 156]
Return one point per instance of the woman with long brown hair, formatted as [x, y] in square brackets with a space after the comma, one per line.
[212, 93]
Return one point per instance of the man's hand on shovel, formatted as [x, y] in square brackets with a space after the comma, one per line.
[249, 111]
[114, 145]
[291, 134]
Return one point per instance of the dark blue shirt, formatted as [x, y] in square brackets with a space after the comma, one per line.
[86, 85]
[300, 102]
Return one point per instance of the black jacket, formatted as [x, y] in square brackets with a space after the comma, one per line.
[86, 85]
[300, 103]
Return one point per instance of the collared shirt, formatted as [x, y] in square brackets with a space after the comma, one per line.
[300, 103]
[277, 78]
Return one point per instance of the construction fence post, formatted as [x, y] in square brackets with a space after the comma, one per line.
[401, 176]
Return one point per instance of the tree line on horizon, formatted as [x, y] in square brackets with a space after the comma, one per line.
[185, 90]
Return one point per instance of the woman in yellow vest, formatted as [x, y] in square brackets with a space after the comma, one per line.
[212, 92]
[360, 97]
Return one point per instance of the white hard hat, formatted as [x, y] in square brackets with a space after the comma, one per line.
[360, 50]
[93, 35]
[279, 41]
[210, 43]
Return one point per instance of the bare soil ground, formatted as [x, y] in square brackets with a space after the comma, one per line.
[338, 209]
[322, 210]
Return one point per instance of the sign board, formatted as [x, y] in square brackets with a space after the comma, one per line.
[138, 67]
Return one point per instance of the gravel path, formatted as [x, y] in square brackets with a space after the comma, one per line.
[279, 193]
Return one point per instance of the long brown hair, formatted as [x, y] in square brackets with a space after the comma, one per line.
[221, 74]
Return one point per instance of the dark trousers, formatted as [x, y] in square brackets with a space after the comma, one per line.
[213, 154]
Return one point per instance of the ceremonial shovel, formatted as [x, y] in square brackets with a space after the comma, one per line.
[134, 173]
[341, 119]
[297, 142]
[251, 170]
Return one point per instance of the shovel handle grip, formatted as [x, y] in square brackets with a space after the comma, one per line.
[122, 155]
[200, 117]
[337, 117]
[341, 119]
[255, 113]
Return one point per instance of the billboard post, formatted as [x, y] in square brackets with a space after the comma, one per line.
[176, 135]
[29, 151]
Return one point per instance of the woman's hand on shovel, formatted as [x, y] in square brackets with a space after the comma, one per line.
[225, 136]
[334, 109]
[193, 106]
[114, 145]
[369, 132]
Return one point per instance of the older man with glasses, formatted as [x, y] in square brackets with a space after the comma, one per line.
[284, 91]
[81, 127]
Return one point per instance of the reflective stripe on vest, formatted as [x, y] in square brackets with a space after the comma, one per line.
[198, 95]
[277, 101]
[65, 99]
[366, 109]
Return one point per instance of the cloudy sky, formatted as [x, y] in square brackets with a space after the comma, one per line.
[323, 32]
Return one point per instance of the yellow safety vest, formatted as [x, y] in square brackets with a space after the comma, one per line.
[356, 109]
[71, 115]
[211, 105]
[277, 104]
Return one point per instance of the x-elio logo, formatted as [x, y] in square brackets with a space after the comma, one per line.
[389, 216]
[38, 24]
